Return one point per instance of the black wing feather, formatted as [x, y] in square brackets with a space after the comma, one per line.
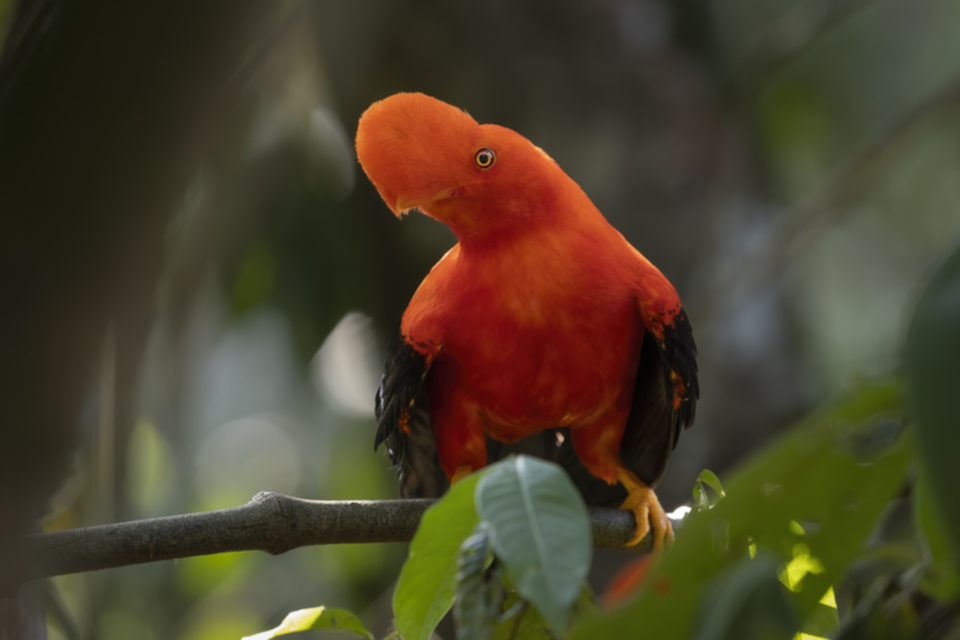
[403, 422]
[667, 371]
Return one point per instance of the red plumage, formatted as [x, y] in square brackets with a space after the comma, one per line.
[542, 316]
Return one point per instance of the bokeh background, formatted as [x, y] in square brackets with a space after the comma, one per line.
[200, 282]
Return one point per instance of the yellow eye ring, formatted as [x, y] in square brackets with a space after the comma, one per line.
[484, 158]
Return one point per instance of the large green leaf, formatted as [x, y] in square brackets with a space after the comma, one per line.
[541, 532]
[933, 384]
[316, 618]
[425, 590]
[811, 498]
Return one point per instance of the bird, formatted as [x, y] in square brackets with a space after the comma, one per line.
[541, 319]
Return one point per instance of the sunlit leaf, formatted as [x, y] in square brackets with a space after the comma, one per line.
[747, 602]
[710, 479]
[933, 382]
[701, 499]
[425, 590]
[542, 532]
[820, 473]
[316, 618]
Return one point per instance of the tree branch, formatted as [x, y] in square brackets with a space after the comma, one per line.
[270, 522]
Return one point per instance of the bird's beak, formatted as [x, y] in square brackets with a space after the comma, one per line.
[404, 203]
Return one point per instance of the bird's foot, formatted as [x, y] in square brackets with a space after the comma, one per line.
[643, 502]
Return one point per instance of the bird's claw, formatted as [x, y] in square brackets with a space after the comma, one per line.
[643, 502]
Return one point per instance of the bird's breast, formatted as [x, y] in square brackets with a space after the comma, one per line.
[539, 357]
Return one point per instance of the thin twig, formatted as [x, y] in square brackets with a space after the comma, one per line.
[270, 522]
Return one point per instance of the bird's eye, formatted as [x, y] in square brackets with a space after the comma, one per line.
[484, 158]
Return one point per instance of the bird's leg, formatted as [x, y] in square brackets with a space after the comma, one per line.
[458, 432]
[598, 447]
[643, 502]
[461, 450]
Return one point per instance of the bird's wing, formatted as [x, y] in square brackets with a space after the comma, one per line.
[664, 397]
[403, 420]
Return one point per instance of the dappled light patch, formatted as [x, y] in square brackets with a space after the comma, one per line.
[793, 573]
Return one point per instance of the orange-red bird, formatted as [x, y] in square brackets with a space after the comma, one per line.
[542, 316]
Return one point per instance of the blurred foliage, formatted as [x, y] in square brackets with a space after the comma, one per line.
[932, 350]
[831, 476]
[316, 618]
[808, 523]
[793, 166]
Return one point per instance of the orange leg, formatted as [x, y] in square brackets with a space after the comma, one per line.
[598, 447]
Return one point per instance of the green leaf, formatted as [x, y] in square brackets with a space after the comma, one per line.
[747, 602]
[933, 385]
[425, 590]
[479, 586]
[710, 479]
[701, 499]
[316, 618]
[941, 580]
[811, 498]
[542, 532]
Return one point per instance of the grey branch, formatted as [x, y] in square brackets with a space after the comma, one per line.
[270, 522]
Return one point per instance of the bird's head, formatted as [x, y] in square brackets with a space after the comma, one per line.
[480, 180]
